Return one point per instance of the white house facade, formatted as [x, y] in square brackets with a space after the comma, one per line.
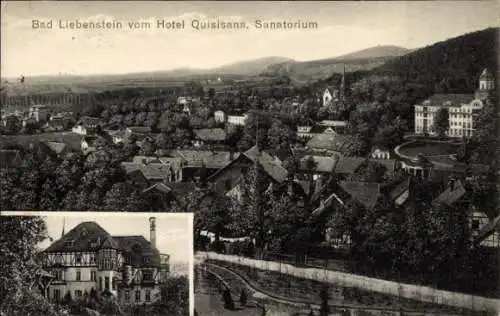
[462, 109]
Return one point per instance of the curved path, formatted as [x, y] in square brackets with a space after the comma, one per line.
[277, 305]
[208, 299]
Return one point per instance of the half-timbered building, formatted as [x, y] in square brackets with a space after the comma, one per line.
[88, 259]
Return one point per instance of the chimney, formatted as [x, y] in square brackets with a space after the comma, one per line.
[152, 231]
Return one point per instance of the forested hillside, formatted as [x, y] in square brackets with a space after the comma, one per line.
[450, 66]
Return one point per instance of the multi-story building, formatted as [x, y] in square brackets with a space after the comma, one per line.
[462, 109]
[40, 113]
[88, 259]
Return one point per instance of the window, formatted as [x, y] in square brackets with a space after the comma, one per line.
[78, 258]
[92, 258]
[127, 295]
[78, 275]
[78, 294]
[137, 296]
[93, 275]
[475, 224]
[57, 295]
[114, 284]
[148, 295]
[100, 284]
[59, 275]
[227, 184]
[147, 275]
[106, 283]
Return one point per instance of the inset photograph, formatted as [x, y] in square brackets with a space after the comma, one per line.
[96, 264]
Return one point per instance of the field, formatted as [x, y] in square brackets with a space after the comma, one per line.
[71, 139]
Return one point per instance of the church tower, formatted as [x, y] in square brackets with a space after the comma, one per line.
[486, 84]
[342, 91]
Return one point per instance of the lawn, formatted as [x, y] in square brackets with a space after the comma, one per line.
[429, 149]
[71, 139]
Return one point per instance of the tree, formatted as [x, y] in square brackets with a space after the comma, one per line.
[148, 147]
[441, 122]
[163, 141]
[18, 250]
[174, 297]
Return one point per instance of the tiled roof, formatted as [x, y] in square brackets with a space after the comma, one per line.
[333, 123]
[211, 134]
[451, 194]
[89, 236]
[160, 187]
[349, 165]
[450, 99]
[57, 147]
[400, 188]
[365, 193]
[139, 129]
[490, 228]
[89, 121]
[82, 237]
[268, 163]
[333, 142]
[151, 171]
[323, 164]
[211, 159]
[326, 204]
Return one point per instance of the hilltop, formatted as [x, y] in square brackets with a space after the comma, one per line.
[452, 65]
[309, 71]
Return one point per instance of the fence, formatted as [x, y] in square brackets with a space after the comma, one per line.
[408, 291]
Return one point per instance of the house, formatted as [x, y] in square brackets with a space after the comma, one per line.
[230, 175]
[153, 172]
[380, 153]
[400, 193]
[88, 258]
[10, 158]
[331, 143]
[454, 193]
[486, 232]
[137, 132]
[117, 136]
[348, 165]
[323, 165]
[219, 116]
[195, 162]
[161, 196]
[175, 164]
[60, 149]
[304, 132]
[209, 136]
[237, 119]
[87, 125]
[92, 143]
[462, 109]
[39, 112]
[339, 127]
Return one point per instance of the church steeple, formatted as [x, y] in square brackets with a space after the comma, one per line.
[64, 224]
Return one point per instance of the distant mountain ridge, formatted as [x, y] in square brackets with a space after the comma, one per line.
[366, 59]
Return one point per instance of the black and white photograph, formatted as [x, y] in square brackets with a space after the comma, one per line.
[337, 157]
[96, 264]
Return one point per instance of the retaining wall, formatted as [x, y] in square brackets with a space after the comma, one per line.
[409, 291]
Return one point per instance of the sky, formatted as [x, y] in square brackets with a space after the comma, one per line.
[173, 230]
[344, 27]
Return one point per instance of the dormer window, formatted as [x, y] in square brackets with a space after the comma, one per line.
[69, 243]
